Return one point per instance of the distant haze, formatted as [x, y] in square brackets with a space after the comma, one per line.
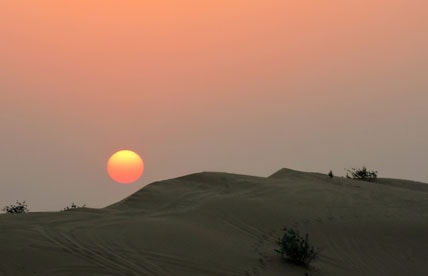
[236, 86]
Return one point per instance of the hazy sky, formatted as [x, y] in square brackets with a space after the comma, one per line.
[237, 86]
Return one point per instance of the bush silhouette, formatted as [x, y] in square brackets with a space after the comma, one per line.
[330, 173]
[295, 248]
[18, 208]
[73, 206]
[362, 174]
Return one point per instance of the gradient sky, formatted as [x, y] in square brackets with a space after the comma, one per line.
[237, 86]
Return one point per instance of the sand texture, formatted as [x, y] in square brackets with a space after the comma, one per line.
[226, 224]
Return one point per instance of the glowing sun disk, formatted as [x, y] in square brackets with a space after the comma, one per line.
[125, 166]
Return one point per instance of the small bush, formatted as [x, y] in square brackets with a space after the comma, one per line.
[362, 174]
[331, 174]
[295, 248]
[73, 206]
[18, 208]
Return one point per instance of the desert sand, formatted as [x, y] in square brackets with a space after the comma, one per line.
[215, 223]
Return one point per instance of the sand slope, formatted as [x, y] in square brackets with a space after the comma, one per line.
[226, 224]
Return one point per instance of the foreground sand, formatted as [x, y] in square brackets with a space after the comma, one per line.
[227, 224]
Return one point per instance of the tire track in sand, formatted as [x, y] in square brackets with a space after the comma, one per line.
[106, 258]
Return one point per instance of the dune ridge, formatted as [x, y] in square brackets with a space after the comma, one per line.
[215, 223]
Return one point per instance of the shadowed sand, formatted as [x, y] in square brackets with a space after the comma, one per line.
[226, 224]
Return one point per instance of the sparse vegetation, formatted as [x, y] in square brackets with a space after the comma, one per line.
[331, 174]
[295, 248]
[18, 208]
[362, 174]
[73, 206]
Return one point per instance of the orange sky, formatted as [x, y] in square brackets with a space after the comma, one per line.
[238, 86]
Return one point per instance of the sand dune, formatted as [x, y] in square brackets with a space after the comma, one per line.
[226, 224]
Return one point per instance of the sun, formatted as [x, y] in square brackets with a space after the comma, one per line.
[125, 166]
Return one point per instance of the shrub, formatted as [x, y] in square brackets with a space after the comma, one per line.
[295, 248]
[362, 174]
[331, 174]
[73, 206]
[19, 208]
